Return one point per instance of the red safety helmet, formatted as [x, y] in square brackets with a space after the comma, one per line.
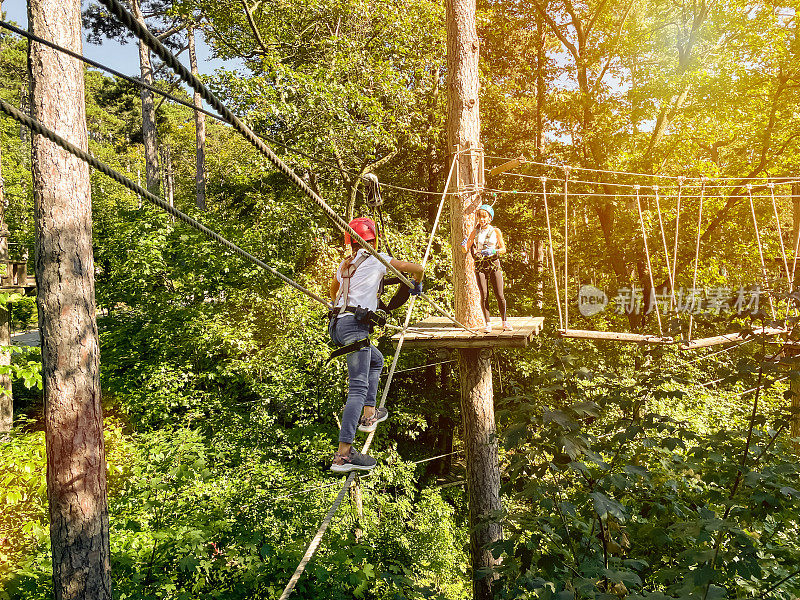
[364, 227]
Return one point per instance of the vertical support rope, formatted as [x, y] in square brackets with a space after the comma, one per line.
[666, 251]
[771, 186]
[317, 539]
[649, 263]
[697, 251]
[677, 229]
[552, 257]
[566, 250]
[760, 252]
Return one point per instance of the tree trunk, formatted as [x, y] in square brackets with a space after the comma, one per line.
[200, 130]
[149, 135]
[794, 386]
[463, 131]
[6, 401]
[76, 466]
[540, 58]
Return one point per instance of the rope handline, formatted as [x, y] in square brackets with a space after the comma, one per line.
[40, 129]
[116, 8]
[601, 195]
[696, 258]
[566, 251]
[649, 265]
[188, 104]
[633, 185]
[650, 175]
[312, 548]
[666, 250]
[760, 252]
[552, 258]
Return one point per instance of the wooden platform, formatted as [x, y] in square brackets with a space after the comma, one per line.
[732, 338]
[439, 332]
[614, 336]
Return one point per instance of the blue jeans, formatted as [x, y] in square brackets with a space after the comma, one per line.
[363, 369]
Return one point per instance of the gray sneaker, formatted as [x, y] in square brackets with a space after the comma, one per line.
[371, 424]
[344, 463]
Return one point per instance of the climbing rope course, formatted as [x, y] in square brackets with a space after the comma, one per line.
[557, 187]
[686, 194]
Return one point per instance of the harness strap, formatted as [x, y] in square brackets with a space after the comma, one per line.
[352, 347]
[344, 289]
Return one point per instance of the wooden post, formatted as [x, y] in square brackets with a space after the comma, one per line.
[73, 418]
[477, 402]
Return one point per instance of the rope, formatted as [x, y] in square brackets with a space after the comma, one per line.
[649, 264]
[601, 195]
[552, 258]
[650, 175]
[116, 8]
[566, 248]
[760, 252]
[40, 129]
[771, 187]
[696, 256]
[666, 251]
[186, 103]
[312, 548]
[677, 231]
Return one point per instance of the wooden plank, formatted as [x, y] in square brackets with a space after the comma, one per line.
[730, 338]
[439, 332]
[614, 336]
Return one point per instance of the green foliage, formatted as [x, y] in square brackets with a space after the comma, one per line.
[609, 499]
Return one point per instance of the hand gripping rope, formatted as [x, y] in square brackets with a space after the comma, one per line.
[138, 29]
[40, 129]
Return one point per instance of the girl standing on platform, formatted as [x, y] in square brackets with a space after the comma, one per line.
[487, 245]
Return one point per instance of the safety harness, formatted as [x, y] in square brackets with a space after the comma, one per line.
[374, 319]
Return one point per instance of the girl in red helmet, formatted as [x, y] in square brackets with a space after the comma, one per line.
[354, 291]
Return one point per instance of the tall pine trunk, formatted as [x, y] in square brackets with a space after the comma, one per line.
[76, 466]
[477, 398]
[149, 134]
[200, 130]
[6, 401]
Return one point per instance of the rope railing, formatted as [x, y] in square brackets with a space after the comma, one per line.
[699, 179]
[40, 129]
[141, 31]
[139, 83]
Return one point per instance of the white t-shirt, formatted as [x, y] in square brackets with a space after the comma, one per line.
[485, 239]
[364, 283]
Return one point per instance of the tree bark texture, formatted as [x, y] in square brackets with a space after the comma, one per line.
[76, 466]
[149, 134]
[463, 131]
[477, 402]
[483, 471]
[200, 130]
[6, 401]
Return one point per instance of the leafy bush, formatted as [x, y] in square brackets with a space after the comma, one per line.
[607, 499]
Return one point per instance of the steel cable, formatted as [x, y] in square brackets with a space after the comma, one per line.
[139, 29]
[40, 129]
